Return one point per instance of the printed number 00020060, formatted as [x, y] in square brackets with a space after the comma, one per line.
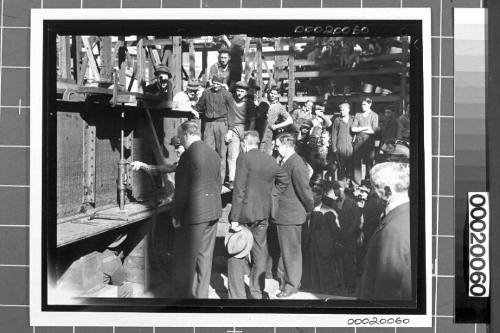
[478, 245]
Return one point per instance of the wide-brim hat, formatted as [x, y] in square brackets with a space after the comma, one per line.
[117, 241]
[162, 69]
[238, 244]
[193, 85]
[307, 124]
[242, 85]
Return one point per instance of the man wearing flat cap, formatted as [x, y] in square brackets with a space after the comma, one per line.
[162, 86]
[186, 100]
[216, 103]
[242, 119]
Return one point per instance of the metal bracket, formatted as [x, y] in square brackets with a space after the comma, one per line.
[89, 142]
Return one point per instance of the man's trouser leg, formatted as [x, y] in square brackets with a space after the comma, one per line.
[290, 239]
[201, 242]
[236, 267]
[220, 130]
[233, 150]
[259, 255]
[235, 277]
[357, 163]
[345, 167]
[209, 135]
[368, 157]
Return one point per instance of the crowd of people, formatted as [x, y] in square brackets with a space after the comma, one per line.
[334, 189]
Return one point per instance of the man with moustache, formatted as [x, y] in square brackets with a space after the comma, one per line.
[197, 208]
[257, 174]
[294, 204]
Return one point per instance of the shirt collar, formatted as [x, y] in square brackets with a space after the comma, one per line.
[223, 68]
[285, 158]
[393, 205]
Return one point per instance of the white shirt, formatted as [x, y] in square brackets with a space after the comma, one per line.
[285, 158]
[393, 204]
[182, 102]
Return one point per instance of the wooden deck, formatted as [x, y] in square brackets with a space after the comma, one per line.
[82, 226]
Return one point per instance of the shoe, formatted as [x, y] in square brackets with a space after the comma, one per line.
[286, 293]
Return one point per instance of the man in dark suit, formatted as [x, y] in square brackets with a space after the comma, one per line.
[256, 175]
[387, 263]
[197, 207]
[294, 204]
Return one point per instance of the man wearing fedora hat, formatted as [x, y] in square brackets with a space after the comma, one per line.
[162, 85]
[186, 100]
[257, 174]
[241, 120]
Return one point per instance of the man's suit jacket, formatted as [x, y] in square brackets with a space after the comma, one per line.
[256, 175]
[387, 263]
[197, 196]
[297, 200]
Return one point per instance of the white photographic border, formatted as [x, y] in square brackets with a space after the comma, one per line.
[226, 319]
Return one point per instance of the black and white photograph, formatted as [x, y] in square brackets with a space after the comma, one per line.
[234, 164]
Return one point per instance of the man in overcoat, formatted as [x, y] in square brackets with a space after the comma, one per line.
[197, 207]
[387, 262]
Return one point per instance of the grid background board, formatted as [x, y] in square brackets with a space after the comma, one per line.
[14, 152]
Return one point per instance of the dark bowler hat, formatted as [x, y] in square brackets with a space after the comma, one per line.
[162, 69]
[252, 83]
[242, 85]
[193, 85]
[224, 50]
